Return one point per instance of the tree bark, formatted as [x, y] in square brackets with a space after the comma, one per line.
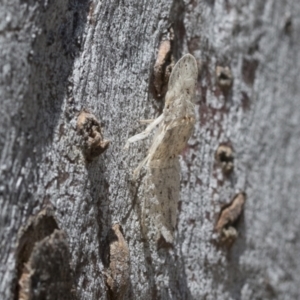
[73, 218]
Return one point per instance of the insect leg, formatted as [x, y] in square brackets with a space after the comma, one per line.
[145, 133]
[148, 121]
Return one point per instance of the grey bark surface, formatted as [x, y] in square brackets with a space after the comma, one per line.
[59, 57]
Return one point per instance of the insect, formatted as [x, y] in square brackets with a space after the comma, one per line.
[176, 123]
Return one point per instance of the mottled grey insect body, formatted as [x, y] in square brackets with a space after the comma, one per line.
[176, 125]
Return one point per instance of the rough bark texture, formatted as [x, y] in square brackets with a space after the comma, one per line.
[60, 57]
